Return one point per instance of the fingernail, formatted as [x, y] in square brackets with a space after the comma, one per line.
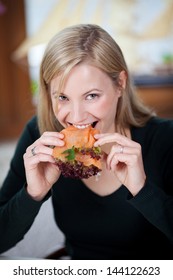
[61, 135]
[96, 136]
[61, 143]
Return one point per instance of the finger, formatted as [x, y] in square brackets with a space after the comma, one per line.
[49, 135]
[53, 134]
[116, 162]
[118, 165]
[115, 151]
[40, 149]
[35, 160]
[119, 149]
[116, 138]
[127, 159]
[51, 140]
[99, 135]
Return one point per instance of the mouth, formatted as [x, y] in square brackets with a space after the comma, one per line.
[82, 126]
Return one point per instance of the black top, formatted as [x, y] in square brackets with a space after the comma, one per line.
[116, 226]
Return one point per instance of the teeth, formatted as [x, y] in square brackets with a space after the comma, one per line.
[81, 126]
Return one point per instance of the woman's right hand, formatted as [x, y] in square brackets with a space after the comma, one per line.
[41, 169]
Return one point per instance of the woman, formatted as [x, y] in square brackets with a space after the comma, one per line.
[128, 212]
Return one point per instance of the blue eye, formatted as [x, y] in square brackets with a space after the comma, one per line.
[62, 98]
[91, 96]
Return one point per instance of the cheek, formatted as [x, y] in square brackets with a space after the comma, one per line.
[106, 107]
[60, 112]
[56, 109]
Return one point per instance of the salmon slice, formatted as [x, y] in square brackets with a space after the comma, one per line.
[78, 138]
[87, 160]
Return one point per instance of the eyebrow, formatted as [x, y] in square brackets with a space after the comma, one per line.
[85, 93]
[93, 89]
[54, 92]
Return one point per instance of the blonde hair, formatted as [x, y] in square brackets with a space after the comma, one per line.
[91, 44]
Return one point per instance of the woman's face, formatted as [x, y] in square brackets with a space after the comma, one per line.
[88, 97]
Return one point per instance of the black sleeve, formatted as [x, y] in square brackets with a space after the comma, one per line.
[155, 200]
[17, 209]
[157, 207]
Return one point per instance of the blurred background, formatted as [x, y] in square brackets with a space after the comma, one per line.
[143, 29]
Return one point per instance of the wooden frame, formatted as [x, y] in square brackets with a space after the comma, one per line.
[15, 98]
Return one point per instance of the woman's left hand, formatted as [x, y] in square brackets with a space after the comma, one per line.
[124, 158]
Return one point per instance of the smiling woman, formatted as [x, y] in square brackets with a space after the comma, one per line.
[89, 97]
[85, 86]
[95, 50]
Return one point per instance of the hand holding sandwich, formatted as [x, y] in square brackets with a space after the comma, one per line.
[125, 159]
[41, 170]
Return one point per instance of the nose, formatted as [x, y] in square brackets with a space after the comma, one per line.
[77, 113]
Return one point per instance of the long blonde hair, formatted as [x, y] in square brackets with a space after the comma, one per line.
[92, 44]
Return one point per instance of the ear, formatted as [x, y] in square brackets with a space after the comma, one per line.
[122, 79]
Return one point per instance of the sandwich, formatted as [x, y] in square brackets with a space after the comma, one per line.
[78, 158]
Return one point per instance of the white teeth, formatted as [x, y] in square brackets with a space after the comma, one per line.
[81, 126]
